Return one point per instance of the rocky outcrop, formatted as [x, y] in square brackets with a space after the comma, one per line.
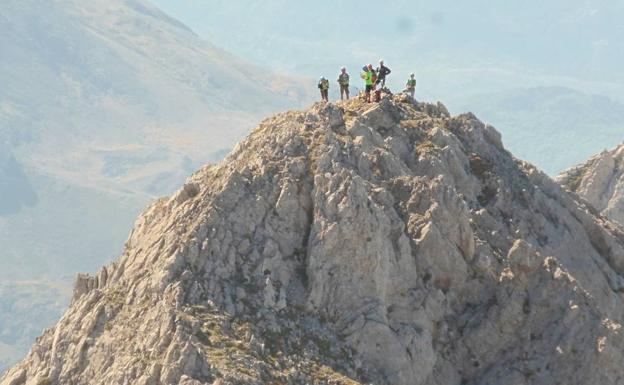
[600, 181]
[350, 244]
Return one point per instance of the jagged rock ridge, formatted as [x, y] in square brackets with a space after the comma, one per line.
[600, 180]
[351, 244]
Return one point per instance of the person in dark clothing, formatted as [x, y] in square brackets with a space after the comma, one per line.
[382, 72]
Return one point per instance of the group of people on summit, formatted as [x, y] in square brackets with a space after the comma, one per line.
[373, 77]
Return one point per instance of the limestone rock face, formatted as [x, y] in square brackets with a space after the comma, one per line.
[600, 181]
[353, 244]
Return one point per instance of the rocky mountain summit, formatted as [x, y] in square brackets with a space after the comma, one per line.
[352, 244]
[600, 181]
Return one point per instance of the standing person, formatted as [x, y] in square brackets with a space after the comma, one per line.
[369, 81]
[323, 85]
[410, 86]
[343, 81]
[374, 75]
[382, 72]
[375, 81]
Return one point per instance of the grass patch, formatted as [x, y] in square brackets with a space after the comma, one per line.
[115, 296]
[574, 181]
[426, 147]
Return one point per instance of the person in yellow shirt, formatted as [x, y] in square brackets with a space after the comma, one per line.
[323, 85]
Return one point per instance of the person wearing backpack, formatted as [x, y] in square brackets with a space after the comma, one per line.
[323, 85]
[410, 86]
[374, 75]
[343, 81]
[382, 72]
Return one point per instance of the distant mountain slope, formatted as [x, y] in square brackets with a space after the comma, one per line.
[15, 188]
[43, 301]
[105, 105]
[105, 73]
[111, 96]
[552, 127]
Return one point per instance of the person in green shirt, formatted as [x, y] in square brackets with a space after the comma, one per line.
[410, 87]
[343, 81]
[368, 75]
[323, 85]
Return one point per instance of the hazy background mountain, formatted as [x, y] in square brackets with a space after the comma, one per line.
[104, 106]
[546, 74]
[117, 103]
[15, 189]
[554, 127]
[41, 301]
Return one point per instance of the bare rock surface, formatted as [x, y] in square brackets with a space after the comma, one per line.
[600, 181]
[353, 244]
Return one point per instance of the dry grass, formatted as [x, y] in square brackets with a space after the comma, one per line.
[426, 147]
[574, 181]
[227, 351]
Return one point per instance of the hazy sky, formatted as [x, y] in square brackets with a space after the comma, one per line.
[478, 45]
